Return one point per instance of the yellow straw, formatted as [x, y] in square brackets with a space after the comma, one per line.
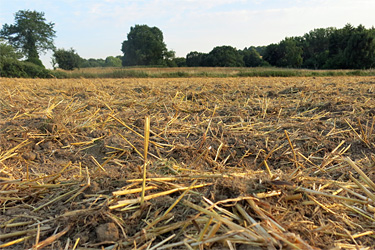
[147, 136]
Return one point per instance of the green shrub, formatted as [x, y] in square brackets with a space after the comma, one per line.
[34, 71]
[15, 69]
[36, 61]
[11, 68]
[58, 74]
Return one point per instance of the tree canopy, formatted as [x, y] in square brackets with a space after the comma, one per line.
[112, 61]
[195, 59]
[8, 52]
[284, 54]
[330, 48]
[324, 48]
[352, 48]
[67, 59]
[251, 58]
[315, 47]
[145, 46]
[109, 61]
[30, 33]
[224, 56]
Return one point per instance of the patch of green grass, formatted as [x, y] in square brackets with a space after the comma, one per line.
[125, 74]
[147, 72]
[176, 74]
[270, 73]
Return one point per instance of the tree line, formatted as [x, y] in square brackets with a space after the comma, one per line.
[324, 48]
[69, 60]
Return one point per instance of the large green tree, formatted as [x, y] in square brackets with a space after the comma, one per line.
[224, 56]
[92, 63]
[195, 59]
[252, 58]
[338, 42]
[145, 46]
[315, 46]
[292, 53]
[180, 61]
[285, 54]
[67, 59]
[360, 50]
[272, 54]
[351, 48]
[112, 61]
[30, 33]
[109, 61]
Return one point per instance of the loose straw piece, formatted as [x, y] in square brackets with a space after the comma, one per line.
[162, 242]
[13, 242]
[19, 233]
[361, 173]
[56, 199]
[292, 148]
[51, 239]
[98, 164]
[306, 190]
[364, 189]
[244, 231]
[124, 203]
[147, 136]
[171, 207]
[131, 191]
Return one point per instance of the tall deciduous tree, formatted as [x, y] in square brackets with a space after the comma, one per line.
[112, 61]
[291, 53]
[285, 54]
[272, 54]
[30, 33]
[67, 59]
[195, 59]
[338, 42]
[145, 46]
[224, 56]
[315, 45]
[360, 50]
[251, 57]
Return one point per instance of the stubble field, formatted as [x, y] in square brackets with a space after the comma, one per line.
[231, 163]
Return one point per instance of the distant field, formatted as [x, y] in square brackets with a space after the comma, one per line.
[144, 72]
[246, 162]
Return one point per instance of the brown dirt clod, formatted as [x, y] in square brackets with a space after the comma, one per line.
[107, 232]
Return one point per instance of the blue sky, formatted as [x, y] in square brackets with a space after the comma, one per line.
[96, 29]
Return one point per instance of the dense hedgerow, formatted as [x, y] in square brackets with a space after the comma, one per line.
[17, 69]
